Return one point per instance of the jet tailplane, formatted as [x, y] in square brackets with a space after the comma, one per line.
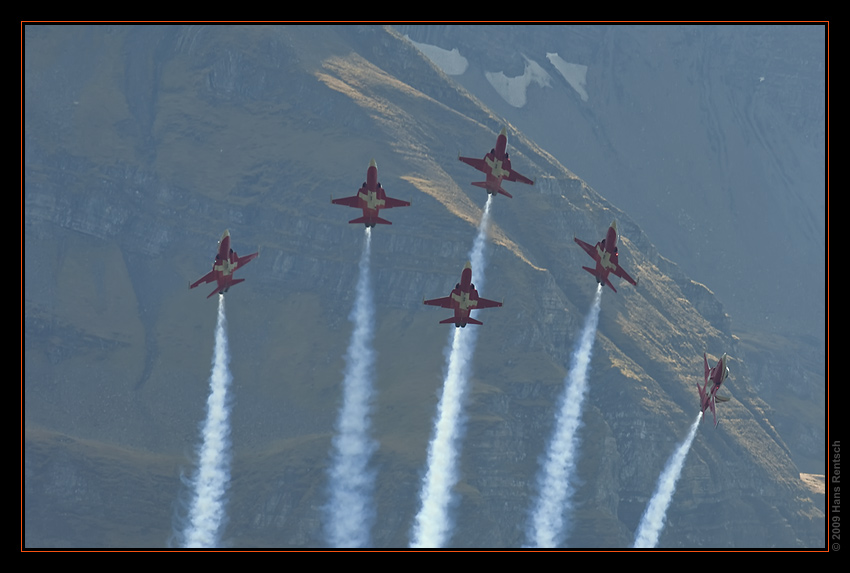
[370, 221]
[453, 320]
[483, 185]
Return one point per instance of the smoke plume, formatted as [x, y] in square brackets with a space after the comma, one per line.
[655, 514]
[349, 512]
[210, 482]
[433, 523]
[554, 499]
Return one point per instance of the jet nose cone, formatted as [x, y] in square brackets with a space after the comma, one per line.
[468, 265]
[226, 233]
[372, 163]
[504, 131]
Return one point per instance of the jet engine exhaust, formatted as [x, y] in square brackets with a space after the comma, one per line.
[652, 522]
[554, 482]
[350, 511]
[433, 524]
[210, 482]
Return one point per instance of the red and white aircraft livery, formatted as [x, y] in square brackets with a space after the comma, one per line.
[497, 166]
[606, 257]
[717, 375]
[463, 299]
[225, 263]
[371, 198]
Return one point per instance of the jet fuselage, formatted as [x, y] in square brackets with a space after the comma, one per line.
[463, 300]
[225, 263]
[606, 256]
[496, 165]
[371, 198]
[717, 375]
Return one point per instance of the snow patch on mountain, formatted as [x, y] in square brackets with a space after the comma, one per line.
[449, 61]
[513, 90]
[575, 74]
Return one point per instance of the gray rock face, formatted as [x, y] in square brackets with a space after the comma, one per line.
[142, 144]
[712, 138]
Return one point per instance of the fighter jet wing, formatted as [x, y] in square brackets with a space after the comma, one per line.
[514, 176]
[624, 275]
[479, 164]
[242, 261]
[347, 201]
[445, 302]
[589, 249]
[390, 202]
[207, 278]
[487, 303]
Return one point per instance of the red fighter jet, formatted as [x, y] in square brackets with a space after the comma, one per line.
[717, 375]
[463, 299]
[606, 257]
[226, 261]
[371, 198]
[497, 166]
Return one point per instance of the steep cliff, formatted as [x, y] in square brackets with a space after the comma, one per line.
[142, 144]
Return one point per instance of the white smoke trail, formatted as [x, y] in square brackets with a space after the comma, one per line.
[432, 525]
[476, 255]
[349, 512]
[655, 514]
[206, 513]
[553, 502]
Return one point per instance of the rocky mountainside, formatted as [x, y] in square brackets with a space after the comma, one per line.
[711, 137]
[142, 144]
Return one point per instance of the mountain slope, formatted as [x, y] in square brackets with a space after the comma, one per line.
[252, 129]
